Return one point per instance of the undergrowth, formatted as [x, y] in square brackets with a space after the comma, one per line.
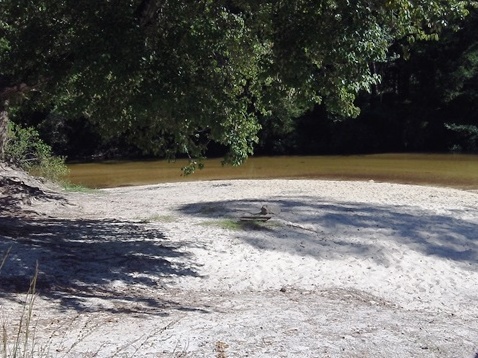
[25, 149]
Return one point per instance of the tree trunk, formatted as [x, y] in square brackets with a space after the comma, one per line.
[3, 128]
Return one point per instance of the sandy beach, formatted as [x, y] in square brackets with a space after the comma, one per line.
[341, 269]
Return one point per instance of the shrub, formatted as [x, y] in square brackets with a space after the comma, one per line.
[25, 149]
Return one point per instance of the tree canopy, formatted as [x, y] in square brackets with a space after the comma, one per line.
[174, 75]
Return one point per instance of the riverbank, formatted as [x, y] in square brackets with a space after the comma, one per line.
[342, 269]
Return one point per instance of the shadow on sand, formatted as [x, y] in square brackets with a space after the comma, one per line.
[84, 265]
[328, 230]
[115, 264]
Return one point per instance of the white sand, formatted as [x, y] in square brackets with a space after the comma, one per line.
[343, 269]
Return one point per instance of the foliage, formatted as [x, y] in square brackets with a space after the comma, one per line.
[26, 150]
[468, 134]
[172, 76]
[425, 103]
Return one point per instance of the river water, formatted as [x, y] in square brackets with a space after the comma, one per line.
[453, 170]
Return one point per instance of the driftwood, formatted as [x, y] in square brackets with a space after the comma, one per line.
[255, 218]
[263, 215]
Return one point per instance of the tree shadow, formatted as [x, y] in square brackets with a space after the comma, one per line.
[15, 194]
[88, 265]
[328, 230]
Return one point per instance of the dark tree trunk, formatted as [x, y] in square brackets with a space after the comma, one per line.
[3, 128]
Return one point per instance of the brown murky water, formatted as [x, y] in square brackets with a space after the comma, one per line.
[460, 171]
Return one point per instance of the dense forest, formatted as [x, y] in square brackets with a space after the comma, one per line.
[116, 79]
[427, 101]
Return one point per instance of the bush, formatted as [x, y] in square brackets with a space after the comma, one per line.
[25, 149]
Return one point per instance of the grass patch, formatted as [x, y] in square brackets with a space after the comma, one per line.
[238, 225]
[227, 224]
[67, 186]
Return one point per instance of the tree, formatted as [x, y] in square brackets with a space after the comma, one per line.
[174, 75]
[459, 88]
[433, 93]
